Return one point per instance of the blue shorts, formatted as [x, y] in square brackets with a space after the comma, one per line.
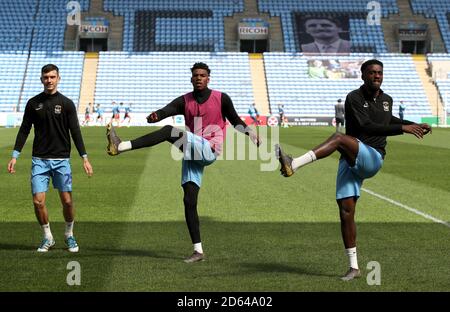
[58, 169]
[349, 179]
[197, 155]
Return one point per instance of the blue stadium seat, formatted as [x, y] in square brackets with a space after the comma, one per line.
[173, 25]
[288, 83]
[440, 9]
[361, 35]
[39, 25]
[160, 77]
[70, 65]
[12, 66]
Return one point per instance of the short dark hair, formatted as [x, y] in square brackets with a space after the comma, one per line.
[330, 18]
[370, 62]
[48, 68]
[200, 65]
[339, 100]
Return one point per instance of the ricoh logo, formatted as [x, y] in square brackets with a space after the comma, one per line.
[93, 29]
[253, 30]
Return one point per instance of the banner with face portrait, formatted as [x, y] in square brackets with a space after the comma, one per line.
[334, 68]
[322, 34]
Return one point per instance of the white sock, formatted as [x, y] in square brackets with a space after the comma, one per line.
[303, 160]
[198, 247]
[351, 253]
[47, 232]
[124, 146]
[69, 229]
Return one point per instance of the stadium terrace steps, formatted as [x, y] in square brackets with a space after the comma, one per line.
[251, 6]
[259, 83]
[286, 77]
[439, 65]
[88, 81]
[116, 26]
[96, 6]
[251, 11]
[430, 89]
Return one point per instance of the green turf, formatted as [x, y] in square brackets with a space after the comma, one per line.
[261, 232]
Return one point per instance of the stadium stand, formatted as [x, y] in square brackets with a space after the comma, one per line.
[158, 34]
[34, 24]
[442, 81]
[150, 80]
[289, 84]
[70, 65]
[12, 14]
[175, 25]
[440, 9]
[364, 38]
[50, 24]
[12, 66]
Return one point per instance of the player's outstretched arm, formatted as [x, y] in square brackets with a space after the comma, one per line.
[11, 165]
[176, 107]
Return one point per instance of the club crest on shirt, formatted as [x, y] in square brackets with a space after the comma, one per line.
[58, 109]
[366, 104]
[386, 106]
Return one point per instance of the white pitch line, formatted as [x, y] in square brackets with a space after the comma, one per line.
[413, 210]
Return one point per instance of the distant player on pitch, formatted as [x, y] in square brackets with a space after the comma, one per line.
[127, 114]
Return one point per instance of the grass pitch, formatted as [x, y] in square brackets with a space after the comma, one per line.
[260, 231]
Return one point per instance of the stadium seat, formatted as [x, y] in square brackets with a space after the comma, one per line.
[70, 65]
[289, 84]
[174, 25]
[363, 37]
[440, 9]
[158, 78]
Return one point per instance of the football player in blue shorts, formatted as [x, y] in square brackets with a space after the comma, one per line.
[55, 120]
[369, 119]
